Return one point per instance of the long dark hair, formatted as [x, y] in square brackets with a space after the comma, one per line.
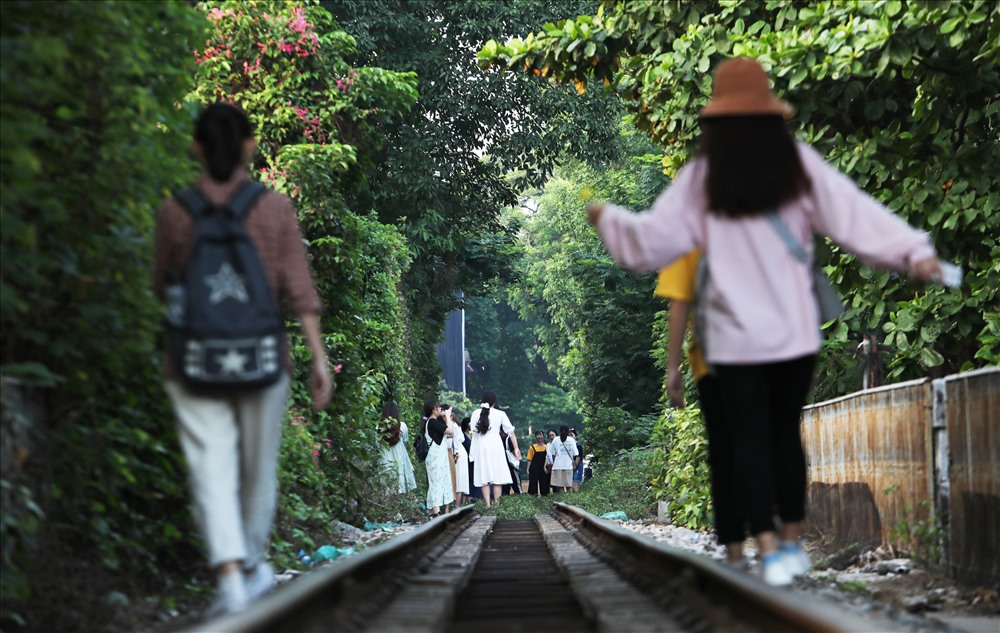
[390, 410]
[483, 425]
[221, 130]
[429, 406]
[753, 165]
[563, 432]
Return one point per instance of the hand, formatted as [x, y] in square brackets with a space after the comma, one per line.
[926, 270]
[319, 384]
[517, 454]
[675, 387]
[594, 212]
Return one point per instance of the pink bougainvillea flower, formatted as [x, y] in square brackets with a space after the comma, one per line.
[337, 368]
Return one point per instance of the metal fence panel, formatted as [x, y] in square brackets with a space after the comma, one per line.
[972, 403]
[870, 463]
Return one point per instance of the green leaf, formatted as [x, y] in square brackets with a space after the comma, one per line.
[950, 25]
[929, 357]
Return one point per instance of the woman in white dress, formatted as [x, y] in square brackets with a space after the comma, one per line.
[562, 454]
[461, 458]
[488, 454]
[439, 488]
[395, 435]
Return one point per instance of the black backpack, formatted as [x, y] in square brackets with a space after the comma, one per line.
[420, 445]
[225, 330]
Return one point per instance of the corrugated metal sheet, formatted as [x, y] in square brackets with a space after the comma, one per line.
[870, 462]
[972, 402]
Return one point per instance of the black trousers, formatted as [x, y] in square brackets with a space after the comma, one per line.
[729, 526]
[758, 463]
[538, 483]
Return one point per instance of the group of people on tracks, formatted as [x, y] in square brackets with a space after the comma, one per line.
[749, 203]
[477, 458]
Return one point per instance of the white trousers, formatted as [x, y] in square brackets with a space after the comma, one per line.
[231, 446]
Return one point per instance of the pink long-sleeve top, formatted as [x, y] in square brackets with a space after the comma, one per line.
[759, 301]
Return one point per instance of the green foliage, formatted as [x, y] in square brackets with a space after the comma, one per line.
[919, 537]
[591, 318]
[502, 349]
[520, 507]
[547, 407]
[902, 96]
[619, 483]
[679, 467]
[611, 430]
[443, 179]
[91, 140]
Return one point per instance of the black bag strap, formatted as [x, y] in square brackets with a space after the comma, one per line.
[197, 205]
[194, 202]
[240, 204]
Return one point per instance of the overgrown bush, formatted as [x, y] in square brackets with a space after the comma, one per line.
[92, 140]
[619, 483]
[611, 430]
[678, 468]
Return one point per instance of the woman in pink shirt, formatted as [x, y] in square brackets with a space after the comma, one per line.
[761, 318]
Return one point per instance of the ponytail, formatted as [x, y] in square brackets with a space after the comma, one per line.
[222, 129]
[489, 400]
[483, 426]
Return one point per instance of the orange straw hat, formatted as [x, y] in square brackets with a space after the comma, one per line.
[741, 88]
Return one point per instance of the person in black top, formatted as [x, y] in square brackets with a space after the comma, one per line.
[538, 480]
[513, 465]
[474, 491]
[440, 491]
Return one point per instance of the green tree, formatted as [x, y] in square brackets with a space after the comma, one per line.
[902, 96]
[593, 320]
[442, 177]
[504, 357]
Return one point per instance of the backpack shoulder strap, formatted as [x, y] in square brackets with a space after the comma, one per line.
[241, 202]
[193, 201]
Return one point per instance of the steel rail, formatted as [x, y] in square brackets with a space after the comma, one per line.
[748, 598]
[294, 606]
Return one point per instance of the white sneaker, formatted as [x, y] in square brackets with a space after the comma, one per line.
[773, 570]
[796, 561]
[260, 582]
[232, 596]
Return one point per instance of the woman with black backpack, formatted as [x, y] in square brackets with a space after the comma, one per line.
[230, 436]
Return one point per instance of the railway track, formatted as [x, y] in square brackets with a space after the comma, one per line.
[566, 571]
